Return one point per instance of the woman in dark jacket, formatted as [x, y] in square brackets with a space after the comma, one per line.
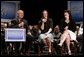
[67, 27]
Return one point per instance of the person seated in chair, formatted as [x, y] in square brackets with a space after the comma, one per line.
[80, 38]
[45, 26]
[3, 43]
[56, 35]
[35, 41]
[29, 38]
[67, 27]
[57, 32]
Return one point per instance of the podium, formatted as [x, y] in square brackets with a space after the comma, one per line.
[15, 35]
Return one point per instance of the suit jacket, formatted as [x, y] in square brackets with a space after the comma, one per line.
[15, 23]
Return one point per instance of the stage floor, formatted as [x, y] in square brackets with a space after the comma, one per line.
[45, 53]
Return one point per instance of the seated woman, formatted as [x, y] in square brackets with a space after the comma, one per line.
[67, 27]
[45, 27]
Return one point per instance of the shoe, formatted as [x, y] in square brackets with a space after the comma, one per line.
[69, 52]
[59, 45]
[21, 53]
[49, 51]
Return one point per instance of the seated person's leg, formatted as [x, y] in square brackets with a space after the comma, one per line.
[42, 38]
[68, 44]
[49, 40]
[63, 38]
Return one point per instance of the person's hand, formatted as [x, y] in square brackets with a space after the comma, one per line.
[29, 33]
[21, 24]
[46, 33]
[66, 28]
[39, 31]
[44, 20]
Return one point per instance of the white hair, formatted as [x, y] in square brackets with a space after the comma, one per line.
[20, 11]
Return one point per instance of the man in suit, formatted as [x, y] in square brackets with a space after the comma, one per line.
[19, 23]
